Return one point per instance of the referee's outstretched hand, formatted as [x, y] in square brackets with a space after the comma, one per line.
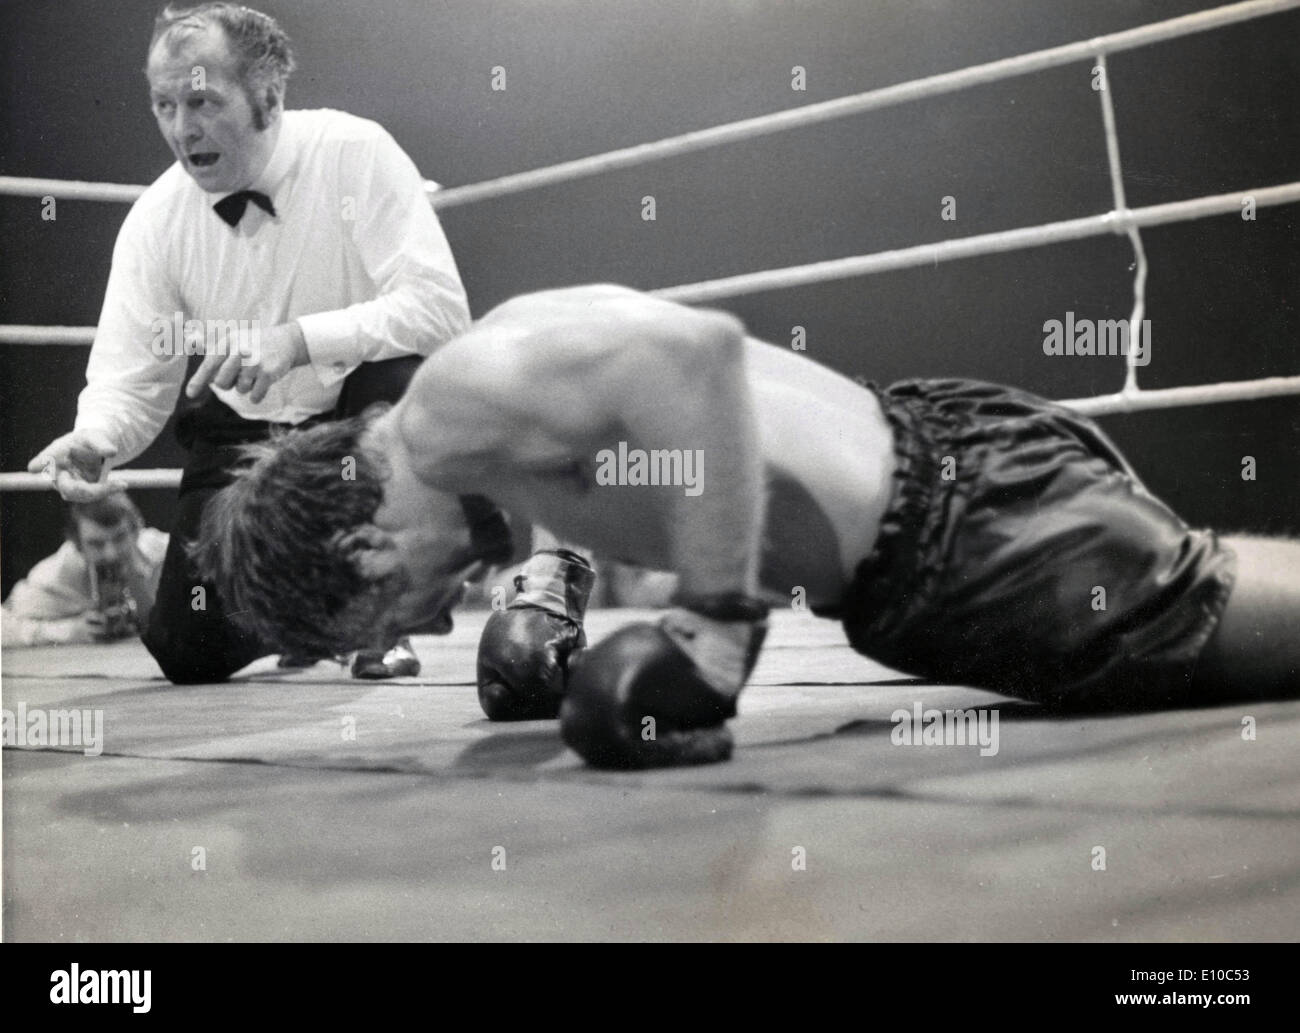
[77, 466]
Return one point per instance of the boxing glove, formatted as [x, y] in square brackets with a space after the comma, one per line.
[525, 650]
[659, 695]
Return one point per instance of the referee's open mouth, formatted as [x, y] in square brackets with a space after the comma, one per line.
[203, 159]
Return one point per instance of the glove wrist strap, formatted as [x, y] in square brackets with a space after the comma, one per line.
[724, 650]
[725, 606]
[558, 581]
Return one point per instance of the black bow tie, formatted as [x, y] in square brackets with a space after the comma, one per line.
[231, 208]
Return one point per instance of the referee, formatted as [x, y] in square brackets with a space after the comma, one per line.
[297, 251]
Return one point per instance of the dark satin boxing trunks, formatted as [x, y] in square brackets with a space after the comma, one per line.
[1010, 518]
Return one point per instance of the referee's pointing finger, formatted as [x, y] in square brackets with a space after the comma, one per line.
[208, 369]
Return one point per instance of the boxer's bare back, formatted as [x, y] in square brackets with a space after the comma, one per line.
[549, 402]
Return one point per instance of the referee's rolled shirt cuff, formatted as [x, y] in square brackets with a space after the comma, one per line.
[332, 348]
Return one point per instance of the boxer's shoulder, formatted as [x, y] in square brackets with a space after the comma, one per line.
[596, 321]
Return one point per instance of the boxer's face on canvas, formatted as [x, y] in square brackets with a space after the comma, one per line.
[419, 534]
[204, 112]
[434, 582]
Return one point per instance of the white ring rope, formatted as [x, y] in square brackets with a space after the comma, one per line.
[1195, 394]
[17, 334]
[981, 244]
[877, 262]
[80, 190]
[1099, 405]
[1121, 219]
[69, 189]
[162, 478]
[749, 128]
[859, 103]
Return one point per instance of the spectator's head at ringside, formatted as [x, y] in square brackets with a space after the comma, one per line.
[104, 531]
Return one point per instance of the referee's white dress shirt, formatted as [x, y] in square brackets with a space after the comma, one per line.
[354, 253]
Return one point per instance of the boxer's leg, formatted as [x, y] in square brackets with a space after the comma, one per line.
[1255, 651]
[1046, 571]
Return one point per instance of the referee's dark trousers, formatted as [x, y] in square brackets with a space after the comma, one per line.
[189, 633]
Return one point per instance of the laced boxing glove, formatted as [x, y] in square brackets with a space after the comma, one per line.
[659, 695]
[525, 650]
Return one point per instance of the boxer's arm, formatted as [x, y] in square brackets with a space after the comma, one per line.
[501, 401]
[692, 394]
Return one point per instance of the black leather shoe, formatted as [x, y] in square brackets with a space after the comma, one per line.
[398, 662]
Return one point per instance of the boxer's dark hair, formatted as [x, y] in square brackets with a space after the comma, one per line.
[263, 54]
[270, 541]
